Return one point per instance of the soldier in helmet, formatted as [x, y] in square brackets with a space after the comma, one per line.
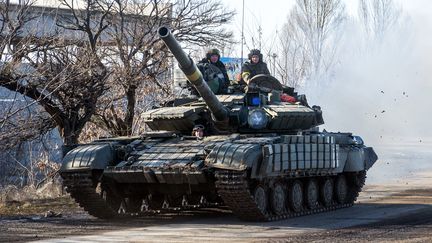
[213, 58]
[254, 66]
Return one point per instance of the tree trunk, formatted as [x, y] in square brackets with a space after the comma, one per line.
[130, 112]
[69, 133]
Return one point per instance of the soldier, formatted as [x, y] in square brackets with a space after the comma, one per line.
[254, 66]
[213, 58]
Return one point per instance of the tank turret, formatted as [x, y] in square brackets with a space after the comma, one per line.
[258, 109]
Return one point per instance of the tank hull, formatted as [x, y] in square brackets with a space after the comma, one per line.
[235, 170]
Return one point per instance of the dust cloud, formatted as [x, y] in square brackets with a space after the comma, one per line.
[382, 89]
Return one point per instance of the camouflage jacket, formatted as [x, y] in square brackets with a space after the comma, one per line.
[221, 67]
[251, 69]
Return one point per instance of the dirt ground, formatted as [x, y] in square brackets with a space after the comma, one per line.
[392, 213]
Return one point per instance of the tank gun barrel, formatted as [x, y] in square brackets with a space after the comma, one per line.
[193, 74]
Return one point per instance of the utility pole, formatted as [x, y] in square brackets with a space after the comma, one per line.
[242, 33]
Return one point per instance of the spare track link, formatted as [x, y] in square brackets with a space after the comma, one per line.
[82, 188]
[233, 187]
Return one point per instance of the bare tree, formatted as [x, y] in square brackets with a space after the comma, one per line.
[22, 121]
[378, 17]
[138, 60]
[317, 21]
[64, 75]
[25, 129]
[19, 119]
[308, 41]
[201, 22]
[293, 65]
[102, 56]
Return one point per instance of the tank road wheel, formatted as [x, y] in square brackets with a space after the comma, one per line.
[295, 196]
[278, 199]
[155, 201]
[260, 197]
[327, 192]
[145, 205]
[110, 198]
[341, 189]
[185, 201]
[133, 204]
[165, 204]
[175, 201]
[194, 200]
[312, 193]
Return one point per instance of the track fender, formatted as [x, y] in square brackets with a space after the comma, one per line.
[360, 158]
[92, 156]
[235, 156]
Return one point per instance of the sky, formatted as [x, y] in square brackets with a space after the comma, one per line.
[272, 14]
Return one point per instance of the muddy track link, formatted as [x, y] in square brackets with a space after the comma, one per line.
[82, 188]
[233, 187]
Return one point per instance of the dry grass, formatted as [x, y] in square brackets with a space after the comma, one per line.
[34, 201]
[50, 189]
[63, 204]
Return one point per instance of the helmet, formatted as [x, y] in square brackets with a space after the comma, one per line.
[255, 52]
[211, 52]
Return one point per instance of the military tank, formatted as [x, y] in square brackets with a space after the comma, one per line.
[247, 150]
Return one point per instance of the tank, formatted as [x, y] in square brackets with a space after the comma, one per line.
[247, 150]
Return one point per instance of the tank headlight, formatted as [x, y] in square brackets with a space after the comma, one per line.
[257, 119]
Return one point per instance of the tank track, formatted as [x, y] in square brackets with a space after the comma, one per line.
[234, 189]
[232, 186]
[82, 188]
